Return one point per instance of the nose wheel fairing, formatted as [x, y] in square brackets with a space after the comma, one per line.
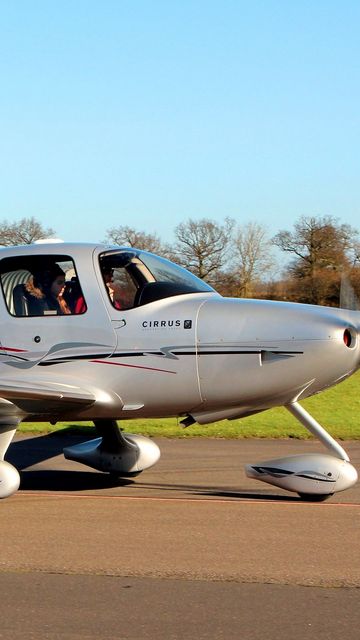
[309, 474]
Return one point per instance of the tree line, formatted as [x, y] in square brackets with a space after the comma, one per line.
[239, 260]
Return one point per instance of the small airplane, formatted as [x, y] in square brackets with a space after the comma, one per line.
[130, 335]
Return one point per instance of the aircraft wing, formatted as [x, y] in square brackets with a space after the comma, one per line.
[44, 399]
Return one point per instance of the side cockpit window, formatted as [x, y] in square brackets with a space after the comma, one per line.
[134, 278]
[41, 286]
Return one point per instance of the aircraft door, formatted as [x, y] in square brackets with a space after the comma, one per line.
[156, 354]
[155, 318]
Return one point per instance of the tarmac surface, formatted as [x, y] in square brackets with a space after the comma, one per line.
[189, 549]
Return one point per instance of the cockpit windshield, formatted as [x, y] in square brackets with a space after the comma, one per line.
[134, 278]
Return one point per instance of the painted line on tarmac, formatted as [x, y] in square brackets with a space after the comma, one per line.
[234, 501]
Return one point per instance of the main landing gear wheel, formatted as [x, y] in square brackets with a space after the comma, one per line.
[122, 455]
[315, 497]
[9, 479]
[116, 475]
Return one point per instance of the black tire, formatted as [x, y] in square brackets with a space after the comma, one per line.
[131, 474]
[315, 497]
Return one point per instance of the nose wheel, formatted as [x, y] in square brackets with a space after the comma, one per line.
[313, 476]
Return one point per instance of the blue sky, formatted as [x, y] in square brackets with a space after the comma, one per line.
[150, 112]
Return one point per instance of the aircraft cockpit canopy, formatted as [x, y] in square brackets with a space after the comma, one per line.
[49, 285]
[135, 278]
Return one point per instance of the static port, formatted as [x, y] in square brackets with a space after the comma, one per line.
[349, 338]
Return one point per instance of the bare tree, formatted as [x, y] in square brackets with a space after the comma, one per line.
[318, 243]
[322, 249]
[130, 237]
[202, 246]
[26, 231]
[252, 257]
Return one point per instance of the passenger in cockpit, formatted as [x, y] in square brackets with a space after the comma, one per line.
[45, 291]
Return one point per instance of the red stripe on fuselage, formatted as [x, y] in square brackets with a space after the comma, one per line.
[132, 366]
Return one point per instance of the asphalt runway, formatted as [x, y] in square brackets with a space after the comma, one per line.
[189, 549]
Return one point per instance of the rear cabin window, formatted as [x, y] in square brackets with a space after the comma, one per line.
[41, 286]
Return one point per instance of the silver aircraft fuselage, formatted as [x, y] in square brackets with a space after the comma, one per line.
[145, 338]
[196, 354]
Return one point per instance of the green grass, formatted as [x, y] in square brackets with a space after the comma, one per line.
[337, 409]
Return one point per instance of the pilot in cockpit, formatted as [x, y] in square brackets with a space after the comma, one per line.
[113, 288]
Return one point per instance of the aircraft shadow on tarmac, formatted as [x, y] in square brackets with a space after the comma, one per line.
[26, 452]
[74, 481]
[69, 481]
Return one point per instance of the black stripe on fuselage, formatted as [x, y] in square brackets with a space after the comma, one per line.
[140, 354]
